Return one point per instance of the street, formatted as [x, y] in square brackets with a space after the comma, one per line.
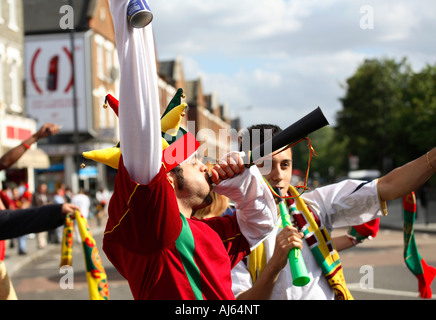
[375, 270]
[41, 279]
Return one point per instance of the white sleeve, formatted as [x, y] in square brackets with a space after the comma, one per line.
[241, 279]
[256, 210]
[139, 109]
[347, 203]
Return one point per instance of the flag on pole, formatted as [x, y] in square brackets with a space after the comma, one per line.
[412, 258]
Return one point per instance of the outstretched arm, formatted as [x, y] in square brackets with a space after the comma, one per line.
[12, 156]
[15, 223]
[408, 177]
[139, 112]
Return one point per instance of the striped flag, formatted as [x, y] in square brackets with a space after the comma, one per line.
[95, 273]
[67, 242]
[412, 258]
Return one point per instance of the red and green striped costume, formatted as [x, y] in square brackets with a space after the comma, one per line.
[162, 254]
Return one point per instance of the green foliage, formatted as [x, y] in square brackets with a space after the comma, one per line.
[417, 121]
[327, 161]
[388, 113]
[388, 118]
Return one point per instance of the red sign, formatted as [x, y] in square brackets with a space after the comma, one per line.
[17, 133]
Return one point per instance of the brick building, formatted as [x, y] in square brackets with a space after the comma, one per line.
[96, 74]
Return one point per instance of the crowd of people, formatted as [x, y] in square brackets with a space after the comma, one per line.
[17, 196]
[23, 213]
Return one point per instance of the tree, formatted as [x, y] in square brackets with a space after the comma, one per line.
[415, 129]
[372, 105]
[329, 159]
[388, 118]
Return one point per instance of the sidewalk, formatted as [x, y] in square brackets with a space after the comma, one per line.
[14, 262]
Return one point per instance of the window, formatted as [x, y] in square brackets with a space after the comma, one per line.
[109, 48]
[2, 20]
[99, 44]
[99, 96]
[15, 87]
[14, 62]
[13, 23]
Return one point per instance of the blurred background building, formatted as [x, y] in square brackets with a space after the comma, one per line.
[58, 61]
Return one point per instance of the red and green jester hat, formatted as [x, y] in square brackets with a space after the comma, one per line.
[177, 143]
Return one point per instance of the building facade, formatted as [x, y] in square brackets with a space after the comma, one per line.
[78, 43]
[70, 65]
[211, 122]
[15, 125]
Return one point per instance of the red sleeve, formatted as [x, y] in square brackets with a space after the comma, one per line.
[2, 249]
[228, 230]
[6, 200]
[143, 218]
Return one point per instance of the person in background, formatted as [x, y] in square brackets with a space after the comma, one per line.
[41, 198]
[55, 235]
[68, 194]
[22, 201]
[81, 200]
[344, 204]
[102, 196]
[6, 194]
[15, 223]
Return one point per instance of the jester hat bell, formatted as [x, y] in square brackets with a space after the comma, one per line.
[177, 143]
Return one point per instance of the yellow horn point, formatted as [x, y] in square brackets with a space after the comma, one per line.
[108, 156]
[172, 119]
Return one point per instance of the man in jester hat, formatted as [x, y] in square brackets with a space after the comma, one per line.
[150, 236]
[358, 205]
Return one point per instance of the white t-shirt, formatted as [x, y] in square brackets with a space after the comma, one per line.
[350, 202]
[82, 201]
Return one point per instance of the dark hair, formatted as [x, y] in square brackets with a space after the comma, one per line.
[258, 133]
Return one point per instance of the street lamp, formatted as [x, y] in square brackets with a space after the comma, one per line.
[76, 158]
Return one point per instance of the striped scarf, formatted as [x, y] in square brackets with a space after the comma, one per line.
[320, 243]
[416, 264]
[95, 273]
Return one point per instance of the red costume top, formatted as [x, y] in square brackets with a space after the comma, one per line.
[162, 254]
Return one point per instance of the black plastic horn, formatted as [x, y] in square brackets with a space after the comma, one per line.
[311, 122]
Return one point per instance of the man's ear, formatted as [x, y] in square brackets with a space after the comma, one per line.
[171, 177]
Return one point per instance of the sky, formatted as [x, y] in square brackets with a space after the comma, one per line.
[274, 61]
